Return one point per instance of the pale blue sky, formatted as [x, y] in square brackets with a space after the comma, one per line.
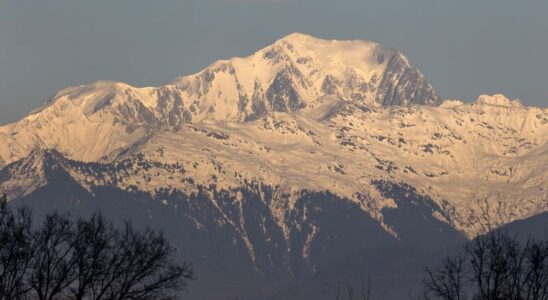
[464, 47]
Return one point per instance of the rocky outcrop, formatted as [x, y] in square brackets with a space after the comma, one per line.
[402, 84]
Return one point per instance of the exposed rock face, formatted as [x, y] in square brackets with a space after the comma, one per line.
[282, 95]
[402, 84]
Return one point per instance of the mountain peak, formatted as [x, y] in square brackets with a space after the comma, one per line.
[498, 100]
[29, 173]
[451, 103]
[299, 36]
[329, 49]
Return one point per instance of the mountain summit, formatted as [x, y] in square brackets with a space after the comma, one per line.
[297, 70]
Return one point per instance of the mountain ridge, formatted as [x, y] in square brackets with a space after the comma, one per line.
[386, 141]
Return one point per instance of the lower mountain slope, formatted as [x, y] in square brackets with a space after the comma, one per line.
[232, 235]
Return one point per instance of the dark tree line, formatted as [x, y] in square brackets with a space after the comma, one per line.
[496, 266]
[348, 294]
[76, 258]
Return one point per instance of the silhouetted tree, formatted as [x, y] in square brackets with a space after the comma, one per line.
[448, 280]
[139, 265]
[15, 250]
[350, 291]
[52, 268]
[80, 259]
[365, 291]
[492, 267]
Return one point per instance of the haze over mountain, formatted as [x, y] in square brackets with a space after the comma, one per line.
[275, 166]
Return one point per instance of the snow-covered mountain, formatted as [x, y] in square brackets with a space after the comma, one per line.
[280, 163]
[294, 73]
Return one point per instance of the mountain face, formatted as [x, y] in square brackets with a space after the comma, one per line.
[272, 168]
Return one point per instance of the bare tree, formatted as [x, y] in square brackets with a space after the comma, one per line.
[366, 292]
[139, 266]
[536, 278]
[92, 255]
[52, 268]
[350, 291]
[447, 282]
[496, 265]
[15, 250]
[492, 267]
[85, 259]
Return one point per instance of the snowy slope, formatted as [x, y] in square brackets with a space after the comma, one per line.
[484, 163]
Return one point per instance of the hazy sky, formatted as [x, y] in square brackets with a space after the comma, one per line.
[464, 47]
